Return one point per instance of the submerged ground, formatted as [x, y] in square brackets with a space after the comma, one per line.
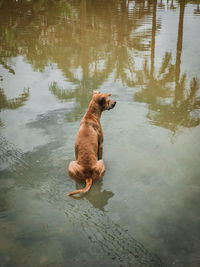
[145, 211]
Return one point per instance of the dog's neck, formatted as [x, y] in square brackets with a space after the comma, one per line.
[94, 110]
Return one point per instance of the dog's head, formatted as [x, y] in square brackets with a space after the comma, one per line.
[103, 100]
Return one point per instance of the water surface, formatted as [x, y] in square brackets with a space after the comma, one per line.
[145, 211]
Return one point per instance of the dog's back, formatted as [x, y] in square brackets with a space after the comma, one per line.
[86, 146]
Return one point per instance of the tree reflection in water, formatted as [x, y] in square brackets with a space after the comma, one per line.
[13, 103]
[72, 35]
[171, 103]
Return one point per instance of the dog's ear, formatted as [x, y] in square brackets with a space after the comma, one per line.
[95, 92]
[102, 101]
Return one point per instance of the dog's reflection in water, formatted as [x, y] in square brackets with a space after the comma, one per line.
[99, 199]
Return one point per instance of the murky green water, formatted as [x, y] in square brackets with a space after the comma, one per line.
[145, 211]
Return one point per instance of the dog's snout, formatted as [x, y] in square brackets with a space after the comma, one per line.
[114, 103]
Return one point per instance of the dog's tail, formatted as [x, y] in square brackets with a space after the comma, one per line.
[83, 190]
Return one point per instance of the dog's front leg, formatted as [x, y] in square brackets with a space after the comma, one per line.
[100, 151]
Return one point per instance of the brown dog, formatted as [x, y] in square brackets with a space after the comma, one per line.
[89, 143]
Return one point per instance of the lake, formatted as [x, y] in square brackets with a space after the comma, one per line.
[145, 211]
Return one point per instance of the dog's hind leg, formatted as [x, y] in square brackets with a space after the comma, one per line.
[99, 169]
[75, 170]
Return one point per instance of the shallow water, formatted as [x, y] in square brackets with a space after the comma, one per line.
[145, 211]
